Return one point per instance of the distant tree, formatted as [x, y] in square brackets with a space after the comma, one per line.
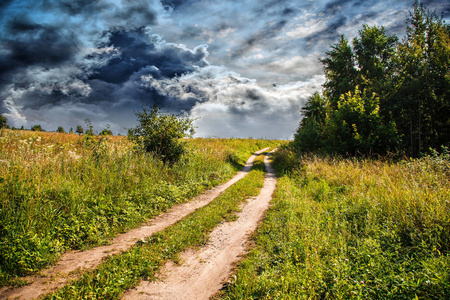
[79, 129]
[3, 121]
[21, 128]
[130, 133]
[161, 134]
[89, 127]
[60, 129]
[106, 131]
[37, 128]
[71, 130]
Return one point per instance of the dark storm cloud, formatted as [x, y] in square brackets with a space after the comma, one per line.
[87, 54]
[62, 61]
[441, 8]
[38, 44]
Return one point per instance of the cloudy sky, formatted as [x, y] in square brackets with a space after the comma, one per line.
[243, 68]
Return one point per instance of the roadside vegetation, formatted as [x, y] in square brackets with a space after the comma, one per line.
[63, 191]
[362, 206]
[352, 229]
[383, 96]
[143, 261]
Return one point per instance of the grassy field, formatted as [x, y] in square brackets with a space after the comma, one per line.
[144, 260]
[352, 229]
[64, 191]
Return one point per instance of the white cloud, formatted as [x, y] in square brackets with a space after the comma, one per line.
[229, 105]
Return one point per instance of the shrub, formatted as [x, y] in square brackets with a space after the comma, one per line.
[3, 121]
[161, 134]
[37, 128]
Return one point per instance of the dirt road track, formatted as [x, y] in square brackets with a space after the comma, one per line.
[57, 276]
[202, 273]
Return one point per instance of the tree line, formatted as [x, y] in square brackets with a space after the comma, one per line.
[79, 129]
[383, 95]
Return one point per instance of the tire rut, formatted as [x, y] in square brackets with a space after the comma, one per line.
[202, 273]
[73, 263]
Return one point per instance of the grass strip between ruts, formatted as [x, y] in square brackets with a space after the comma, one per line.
[143, 261]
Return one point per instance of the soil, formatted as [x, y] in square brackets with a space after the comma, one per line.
[202, 273]
[72, 264]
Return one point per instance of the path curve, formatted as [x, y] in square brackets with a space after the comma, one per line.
[67, 267]
[203, 272]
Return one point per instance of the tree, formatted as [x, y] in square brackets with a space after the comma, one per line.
[308, 136]
[374, 54]
[3, 121]
[356, 126]
[90, 128]
[340, 71]
[71, 130]
[106, 131]
[60, 129]
[422, 102]
[161, 134]
[37, 128]
[79, 129]
[315, 108]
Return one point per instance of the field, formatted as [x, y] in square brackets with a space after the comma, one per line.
[337, 228]
[352, 229]
[64, 191]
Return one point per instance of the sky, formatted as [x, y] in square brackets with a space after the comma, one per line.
[241, 68]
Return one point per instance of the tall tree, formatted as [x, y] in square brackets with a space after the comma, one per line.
[79, 129]
[340, 71]
[374, 53]
[422, 102]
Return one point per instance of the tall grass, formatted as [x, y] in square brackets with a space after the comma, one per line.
[352, 229]
[64, 191]
[144, 259]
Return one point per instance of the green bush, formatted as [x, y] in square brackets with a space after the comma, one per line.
[3, 121]
[161, 134]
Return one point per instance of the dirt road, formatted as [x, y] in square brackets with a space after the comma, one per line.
[73, 263]
[202, 273]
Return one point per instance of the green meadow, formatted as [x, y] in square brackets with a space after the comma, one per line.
[64, 191]
[352, 229]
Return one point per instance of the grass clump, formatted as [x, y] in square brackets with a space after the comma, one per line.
[124, 271]
[352, 229]
[64, 191]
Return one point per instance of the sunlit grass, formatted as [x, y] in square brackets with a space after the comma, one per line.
[144, 260]
[64, 191]
[353, 229]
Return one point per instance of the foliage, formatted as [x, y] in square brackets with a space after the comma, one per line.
[106, 131]
[352, 229]
[339, 66]
[60, 129]
[63, 191]
[144, 260]
[410, 79]
[79, 129]
[3, 121]
[356, 126]
[161, 134]
[37, 128]
[89, 128]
